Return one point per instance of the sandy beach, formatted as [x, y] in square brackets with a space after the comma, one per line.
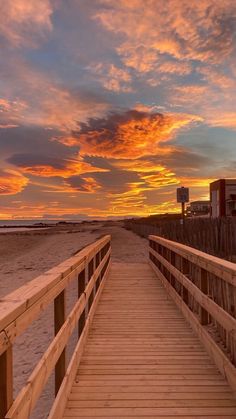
[26, 254]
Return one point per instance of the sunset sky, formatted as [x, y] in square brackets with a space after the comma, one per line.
[107, 106]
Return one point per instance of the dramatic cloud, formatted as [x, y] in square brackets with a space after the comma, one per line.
[83, 184]
[24, 22]
[107, 106]
[11, 182]
[203, 31]
[33, 97]
[45, 166]
[131, 134]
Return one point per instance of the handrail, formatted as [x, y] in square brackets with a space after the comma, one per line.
[217, 266]
[204, 287]
[20, 308]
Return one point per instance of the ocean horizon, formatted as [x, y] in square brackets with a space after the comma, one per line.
[9, 223]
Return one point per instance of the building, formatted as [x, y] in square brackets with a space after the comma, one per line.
[223, 198]
[198, 209]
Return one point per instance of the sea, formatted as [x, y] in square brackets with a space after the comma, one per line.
[18, 223]
[7, 226]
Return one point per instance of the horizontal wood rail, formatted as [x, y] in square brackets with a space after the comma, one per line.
[204, 287]
[18, 310]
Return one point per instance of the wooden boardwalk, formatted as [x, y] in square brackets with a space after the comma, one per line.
[154, 340]
[142, 359]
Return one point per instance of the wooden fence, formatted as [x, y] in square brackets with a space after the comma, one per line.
[18, 310]
[216, 236]
[204, 287]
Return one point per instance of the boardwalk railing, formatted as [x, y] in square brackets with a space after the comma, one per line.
[19, 309]
[204, 287]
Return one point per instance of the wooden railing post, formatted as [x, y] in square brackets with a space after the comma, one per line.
[185, 271]
[81, 288]
[6, 382]
[59, 319]
[90, 273]
[99, 259]
[172, 261]
[204, 288]
[86, 271]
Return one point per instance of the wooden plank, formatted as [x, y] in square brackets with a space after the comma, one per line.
[147, 395]
[148, 411]
[204, 316]
[59, 319]
[127, 388]
[81, 289]
[150, 403]
[6, 381]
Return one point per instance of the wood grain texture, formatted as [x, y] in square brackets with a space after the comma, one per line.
[142, 359]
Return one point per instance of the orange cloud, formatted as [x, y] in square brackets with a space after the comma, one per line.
[69, 140]
[111, 77]
[201, 31]
[12, 182]
[157, 180]
[24, 22]
[170, 67]
[139, 166]
[63, 168]
[196, 182]
[44, 100]
[83, 184]
[217, 78]
[131, 135]
[138, 57]
[134, 202]
[154, 176]
[222, 119]
[11, 112]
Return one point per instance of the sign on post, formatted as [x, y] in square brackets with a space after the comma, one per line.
[182, 194]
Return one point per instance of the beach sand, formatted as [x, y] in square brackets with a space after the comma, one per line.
[27, 254]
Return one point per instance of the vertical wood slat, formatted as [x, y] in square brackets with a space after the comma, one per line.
[81, 288]
[6, 381]
[98, 261]
[90, 273]
[59, 319]
[204, 288]
[172, 261]
[185, 271]
[86, 283]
